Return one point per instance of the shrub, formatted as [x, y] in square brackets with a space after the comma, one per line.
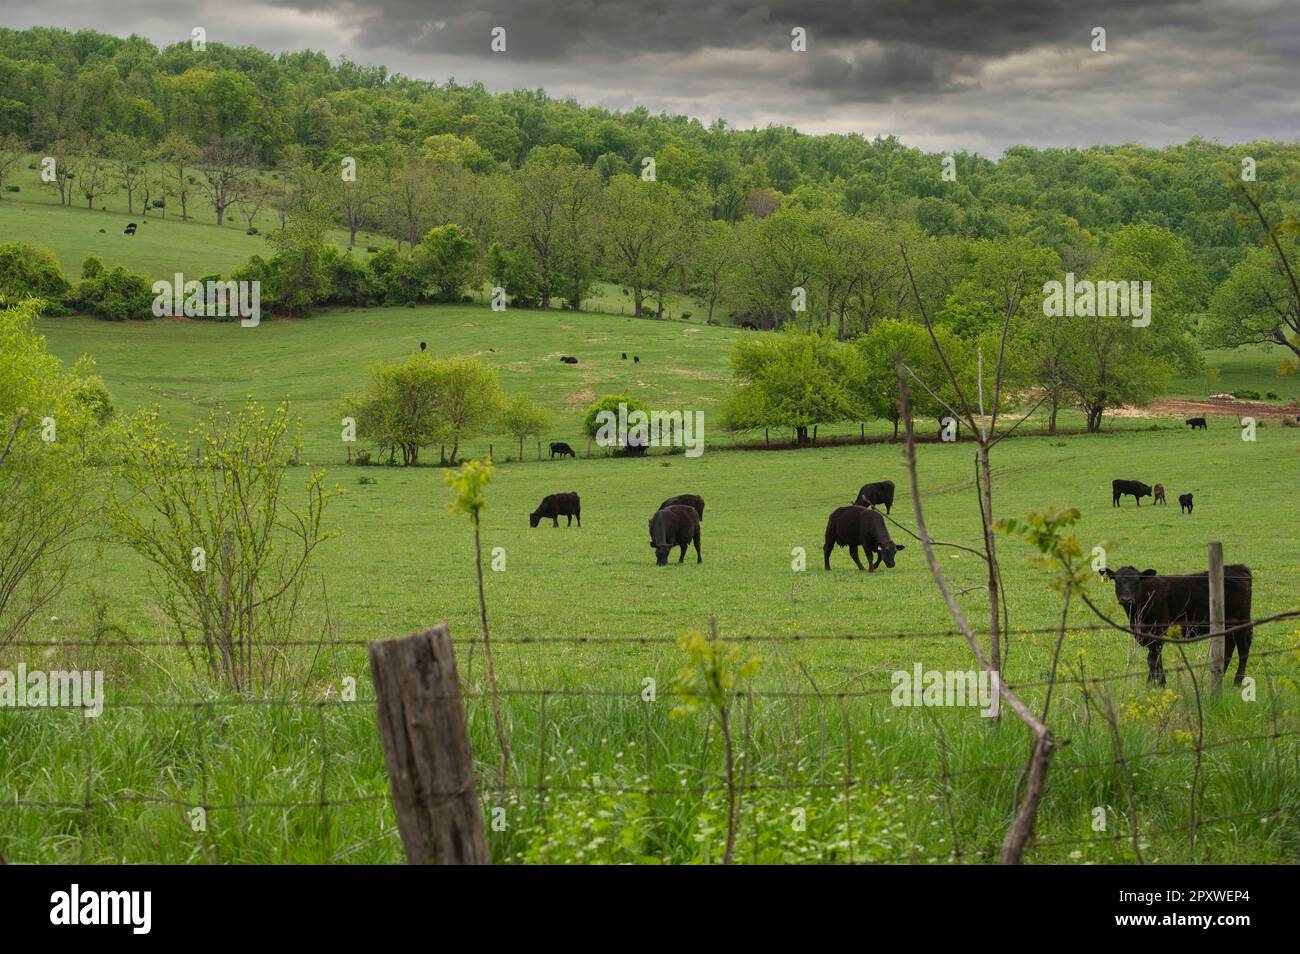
[1272, 396]
[115, 294]
[252, 230]
[233, 512]
[92, 267]
[351, 283]
[1246, 394]
[11, 188]
[392, 278]
[30, 272]
[591, 423]
[363, 458]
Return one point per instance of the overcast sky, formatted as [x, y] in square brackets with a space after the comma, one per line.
[980, 76]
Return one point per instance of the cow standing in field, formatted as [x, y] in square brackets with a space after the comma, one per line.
[1134, 488]
[563, 449]
[693, 501]
[1195, 423]
[881, 492]
[130, 229]
[855, 527]
[556, 506]
[1185, 503]
[1154, 603]
[1160, 495]
[675, 526]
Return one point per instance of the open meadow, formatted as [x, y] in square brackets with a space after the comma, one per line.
[581, 617]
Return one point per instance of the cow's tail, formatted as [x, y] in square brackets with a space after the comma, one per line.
[830, 533]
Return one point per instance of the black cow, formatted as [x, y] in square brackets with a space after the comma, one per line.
[855, 527]
[1154, 603]
[1134, 488]
[881, 492]
[675, 526]
[634, 448]
[1195, 422]
[130, 229]
[563, 449]
[1185, 503]
[569, 359]
[624, 355]
[556, 506]
[423, 346]
[636, 359]
[686, 500]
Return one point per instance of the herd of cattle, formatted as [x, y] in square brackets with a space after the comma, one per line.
[1153, 603]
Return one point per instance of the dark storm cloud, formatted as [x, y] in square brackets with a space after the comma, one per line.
[941, 75]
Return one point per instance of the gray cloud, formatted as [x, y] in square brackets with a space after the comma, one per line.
[939, 74]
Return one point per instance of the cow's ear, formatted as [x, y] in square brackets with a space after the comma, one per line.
[1148, 572]
[901, 546]
[1106, 573]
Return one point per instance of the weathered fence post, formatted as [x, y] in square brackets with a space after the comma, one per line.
[539, 450]
[588, 446]
[426, 746]
[1216, 616]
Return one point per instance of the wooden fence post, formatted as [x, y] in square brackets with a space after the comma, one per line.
[1216, 616]
[426, 746]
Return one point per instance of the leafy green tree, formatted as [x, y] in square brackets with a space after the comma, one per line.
[50, 437]
[447, 259]
[1107, 362]
[524, 418]
[421, 401]
[652, 228]
[793, 380]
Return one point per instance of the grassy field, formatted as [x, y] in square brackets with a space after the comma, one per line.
[598, 773]
[402, 563]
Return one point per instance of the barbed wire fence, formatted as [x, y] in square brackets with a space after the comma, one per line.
[488, 795]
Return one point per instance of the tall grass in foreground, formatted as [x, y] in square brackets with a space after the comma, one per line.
[597, 774]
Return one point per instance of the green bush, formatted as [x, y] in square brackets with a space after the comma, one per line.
[393, 278]
[115, 294]
[30, 272]
[1246, 394]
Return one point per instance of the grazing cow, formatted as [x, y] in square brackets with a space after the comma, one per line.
[1134, 488]
[675, 526]
[749, 325]
[634, 448]
[1195, 422]
[569, 359]
[855, 527]
[1154, 603]
[881, 492]
[563, 449]
[1160, 495]
[636, 359]
[556, 506]
[624, 355]
[1185, 503]
[423, 346]
[130, 229]
[686, 500]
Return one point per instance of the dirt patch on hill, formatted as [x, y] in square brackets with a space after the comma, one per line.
[1207, 407]
[581, 398]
